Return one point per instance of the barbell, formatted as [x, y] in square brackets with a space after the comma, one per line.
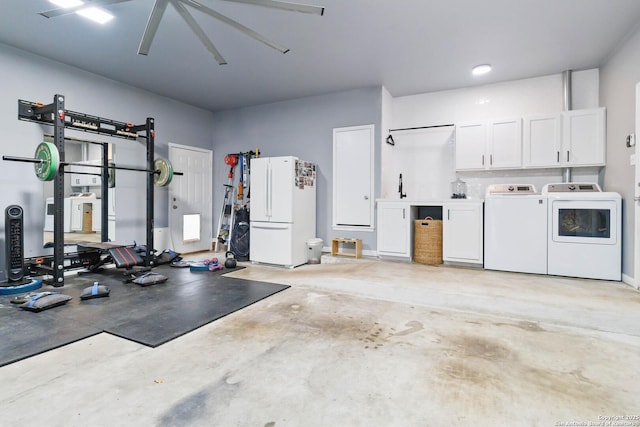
[47, 162]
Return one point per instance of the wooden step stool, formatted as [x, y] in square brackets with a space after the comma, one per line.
[335, 246]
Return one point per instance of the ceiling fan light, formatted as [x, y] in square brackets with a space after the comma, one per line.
[478, 70]
[98, 15]
[66, 3]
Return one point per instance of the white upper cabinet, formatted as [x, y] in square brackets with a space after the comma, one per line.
[496, 144]
[542, 140]
[504, 148]
[567, 139]
[471, 143]
[583, 137]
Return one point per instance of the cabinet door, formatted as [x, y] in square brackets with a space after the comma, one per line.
[542, 139]
[76, 215]
[462, 233]
[505, 144]
[583, 137]
[471, 141]
[394, 229]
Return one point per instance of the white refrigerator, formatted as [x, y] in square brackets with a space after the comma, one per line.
[283, 210]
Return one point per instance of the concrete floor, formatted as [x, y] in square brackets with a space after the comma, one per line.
[361, 343]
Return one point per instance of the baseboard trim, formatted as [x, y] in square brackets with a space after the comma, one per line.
[630, 281]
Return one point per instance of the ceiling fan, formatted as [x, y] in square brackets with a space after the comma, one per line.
[161, 5]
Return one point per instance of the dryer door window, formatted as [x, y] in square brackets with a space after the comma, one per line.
[579, 221]
[584, 222]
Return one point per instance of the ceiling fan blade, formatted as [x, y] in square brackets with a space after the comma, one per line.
[152, 26]
[68, 10]
[184, 13]
[238, 26]
[295, 7]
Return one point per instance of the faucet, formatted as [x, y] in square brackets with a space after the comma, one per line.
[402, 195]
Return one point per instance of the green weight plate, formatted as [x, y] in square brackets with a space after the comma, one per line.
[50, 160]
[164, 172]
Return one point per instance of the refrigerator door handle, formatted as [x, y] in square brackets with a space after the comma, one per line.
[270, 190]
[266, 191]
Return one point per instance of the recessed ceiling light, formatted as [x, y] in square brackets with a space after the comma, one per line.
[481, 69]
[98, 15]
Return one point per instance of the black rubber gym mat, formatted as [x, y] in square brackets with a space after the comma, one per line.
[24, 334]
[149, 315]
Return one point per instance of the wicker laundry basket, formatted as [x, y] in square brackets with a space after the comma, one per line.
[427, 245]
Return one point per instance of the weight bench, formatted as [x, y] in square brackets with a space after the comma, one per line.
[122, 256]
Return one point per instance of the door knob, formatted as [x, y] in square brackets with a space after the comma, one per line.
[175, 207]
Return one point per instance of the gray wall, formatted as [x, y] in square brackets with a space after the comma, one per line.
[618, 80]
[301, 128]
[33, 78]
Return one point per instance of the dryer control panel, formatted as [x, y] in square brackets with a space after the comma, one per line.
[572, 187]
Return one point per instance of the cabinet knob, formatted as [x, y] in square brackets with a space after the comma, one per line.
[366, 197]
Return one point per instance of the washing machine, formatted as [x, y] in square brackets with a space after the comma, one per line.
[515, 229]
[584, 231]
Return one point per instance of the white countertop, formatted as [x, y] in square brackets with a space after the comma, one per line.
[429, 202]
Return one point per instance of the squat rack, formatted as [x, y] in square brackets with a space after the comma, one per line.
[55, 115]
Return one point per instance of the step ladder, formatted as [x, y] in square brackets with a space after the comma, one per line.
[225, 220]
[235, 195]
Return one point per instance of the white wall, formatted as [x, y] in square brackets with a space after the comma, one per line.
[386, 150]
[33, 78]
[426, 157]
[618, 78]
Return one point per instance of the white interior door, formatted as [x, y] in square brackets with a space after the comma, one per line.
[190, 210]
[353, 176]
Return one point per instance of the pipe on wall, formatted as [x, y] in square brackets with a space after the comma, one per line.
[566, 106]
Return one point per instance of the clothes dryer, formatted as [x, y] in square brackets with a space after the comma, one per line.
[585, 231]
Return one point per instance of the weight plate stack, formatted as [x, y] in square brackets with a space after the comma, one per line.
[48, 154]
[164, 172]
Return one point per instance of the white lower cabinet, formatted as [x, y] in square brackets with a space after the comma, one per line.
[462, 232]
[462, 229]
[394, 229]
